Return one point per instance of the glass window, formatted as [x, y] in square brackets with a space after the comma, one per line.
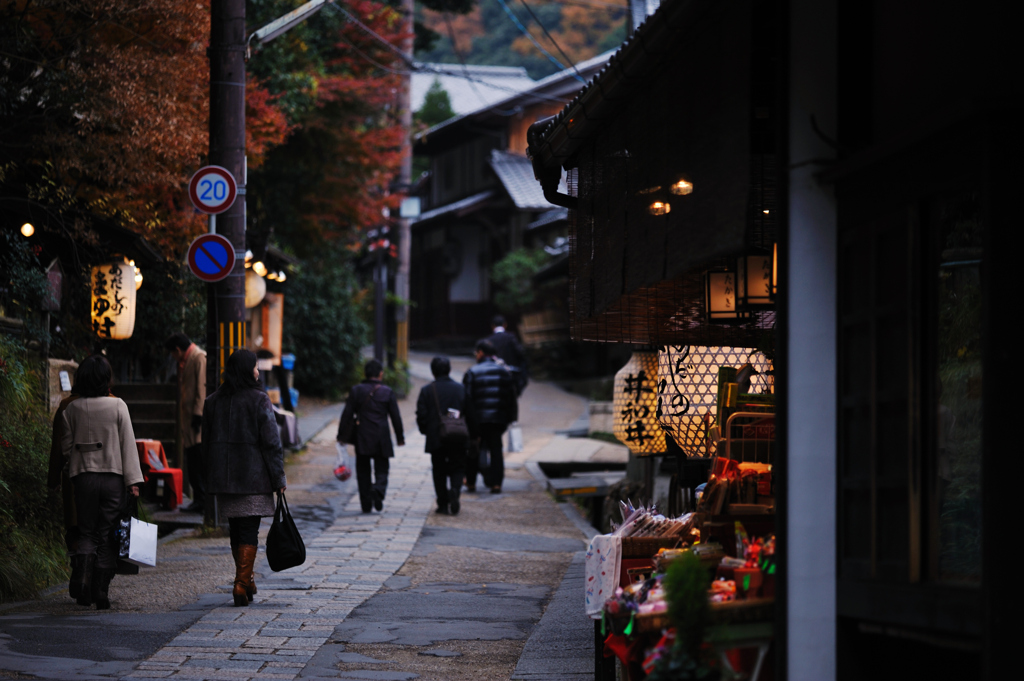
[957, 235]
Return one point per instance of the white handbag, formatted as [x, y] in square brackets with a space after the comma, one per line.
[515, 438]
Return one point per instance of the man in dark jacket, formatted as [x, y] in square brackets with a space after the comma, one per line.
[447, 460]
[371, 402]
[508, 348]
[491, 391]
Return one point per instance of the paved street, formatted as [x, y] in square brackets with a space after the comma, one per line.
[402, 594]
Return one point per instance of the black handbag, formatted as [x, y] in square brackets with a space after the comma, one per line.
[285, 548]
[452, 431]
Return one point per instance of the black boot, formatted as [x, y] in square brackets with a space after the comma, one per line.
[75, 583]
[100, 586]
[85, 582]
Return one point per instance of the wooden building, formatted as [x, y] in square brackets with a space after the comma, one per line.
[875, 145]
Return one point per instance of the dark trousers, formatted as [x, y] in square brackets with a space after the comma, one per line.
[490, 439]
[378, 488]
[196, 473]
[448, 470]
[99, 498]
[244, 530]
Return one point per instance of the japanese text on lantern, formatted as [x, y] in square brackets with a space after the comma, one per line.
[113, 300]
[635, 410]
[672, 401]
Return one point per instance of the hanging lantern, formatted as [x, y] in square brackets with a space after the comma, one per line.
[635, 421]
[255, 289]
[113, 300]
[755, 276]
[720, 304]
[688, 388]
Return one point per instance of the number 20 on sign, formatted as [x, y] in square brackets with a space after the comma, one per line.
[212, 190]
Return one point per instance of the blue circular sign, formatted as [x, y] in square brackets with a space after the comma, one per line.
[211, 257]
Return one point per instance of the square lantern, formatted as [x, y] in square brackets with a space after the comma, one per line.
[113, 300]
[635, 419]
[688, 388]
[720, 297]
[755, 276]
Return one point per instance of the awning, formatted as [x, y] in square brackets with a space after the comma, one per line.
[459, 208]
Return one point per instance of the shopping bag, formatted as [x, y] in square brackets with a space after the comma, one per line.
[341, 470]
[141, 543]
[284, 544]
[136, 540]
[515, 438]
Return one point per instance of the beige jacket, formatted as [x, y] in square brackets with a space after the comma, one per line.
[192, 393]
[98, 438]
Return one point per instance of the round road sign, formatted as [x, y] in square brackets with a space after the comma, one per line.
[211, 257]
[212, 189]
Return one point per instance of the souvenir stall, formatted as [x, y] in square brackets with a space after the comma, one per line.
[713, 403]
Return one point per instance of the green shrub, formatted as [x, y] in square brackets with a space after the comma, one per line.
[324, 327]
[512, 278]
[31, 525]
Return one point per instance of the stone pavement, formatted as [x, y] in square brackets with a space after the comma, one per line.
[296, 611]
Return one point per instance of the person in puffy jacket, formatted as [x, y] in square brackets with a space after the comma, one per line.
[491, 389]
[244, 461]
[98, 442]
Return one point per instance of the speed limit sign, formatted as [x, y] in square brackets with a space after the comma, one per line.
[212, 190]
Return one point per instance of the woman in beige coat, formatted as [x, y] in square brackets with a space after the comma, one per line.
[103, 462]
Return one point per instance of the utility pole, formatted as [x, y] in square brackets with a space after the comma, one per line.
[404, 180]
[225, 306]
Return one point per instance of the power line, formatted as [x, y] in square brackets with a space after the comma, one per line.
[458, 55]
[553, 41]
[522, 29]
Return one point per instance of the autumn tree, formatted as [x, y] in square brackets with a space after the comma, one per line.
[104, 110]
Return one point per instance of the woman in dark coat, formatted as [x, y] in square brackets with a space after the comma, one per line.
[245, 464]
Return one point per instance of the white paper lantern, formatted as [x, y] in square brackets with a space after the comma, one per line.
[635, 420]
[113, 300]
[255, 289]
[688, 388]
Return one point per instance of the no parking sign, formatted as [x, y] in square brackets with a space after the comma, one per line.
[211, 257]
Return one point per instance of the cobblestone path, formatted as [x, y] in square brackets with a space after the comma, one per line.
[296, 611]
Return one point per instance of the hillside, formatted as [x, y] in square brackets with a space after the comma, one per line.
[487, 35]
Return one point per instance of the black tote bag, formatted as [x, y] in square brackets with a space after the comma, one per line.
[284, 544]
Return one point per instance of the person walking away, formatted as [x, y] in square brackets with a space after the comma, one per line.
[241, 447]
[511, 352]
[364, 424]
[57, 478]
[192, 395]
[491, 392]
[444, 396]
[99, 443]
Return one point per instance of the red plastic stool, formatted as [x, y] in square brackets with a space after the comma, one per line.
[166, 480]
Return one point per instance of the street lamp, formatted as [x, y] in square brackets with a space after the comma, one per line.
[27, 230]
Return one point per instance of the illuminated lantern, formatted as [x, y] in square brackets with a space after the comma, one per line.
[720, 297]
[113, 300]
[255, 289]
[688, 388]
[635, 420]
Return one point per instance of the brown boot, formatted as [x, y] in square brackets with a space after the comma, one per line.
[246, 556]
[251, 589]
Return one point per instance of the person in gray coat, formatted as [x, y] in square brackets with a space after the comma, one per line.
[244, 461]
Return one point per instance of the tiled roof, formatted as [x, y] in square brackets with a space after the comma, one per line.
[547, 88]
[471, 87]
[516, 175]
[601, 97]
[456, 206]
